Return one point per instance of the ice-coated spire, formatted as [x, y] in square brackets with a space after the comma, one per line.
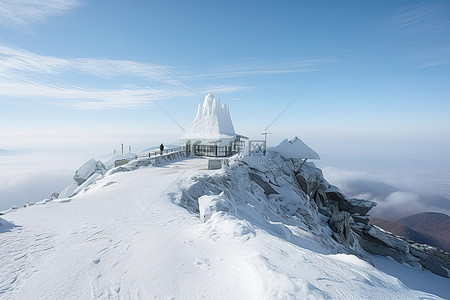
[212, 119]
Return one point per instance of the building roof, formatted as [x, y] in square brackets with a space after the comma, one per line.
[295, 148]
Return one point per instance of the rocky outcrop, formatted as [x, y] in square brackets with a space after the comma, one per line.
[340, 225]
[297, 193]
[349, 221]
[309, 178]
[377, 241]
[262, 183]
[351, 205]
[87, 170]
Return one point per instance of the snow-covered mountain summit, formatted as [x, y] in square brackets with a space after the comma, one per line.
[259, 228]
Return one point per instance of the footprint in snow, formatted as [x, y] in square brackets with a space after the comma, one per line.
[202, 262]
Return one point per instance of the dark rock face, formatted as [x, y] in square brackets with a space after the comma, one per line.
[340, 224]
[349, 222]
[387, 244]
[361, 219]
[262, 183]
[351, 205]
[309, 179]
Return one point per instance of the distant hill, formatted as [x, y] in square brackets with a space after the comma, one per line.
[375, 188]
[426, 228]
[379, 191]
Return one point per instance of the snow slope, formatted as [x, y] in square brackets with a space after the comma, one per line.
[128, 236]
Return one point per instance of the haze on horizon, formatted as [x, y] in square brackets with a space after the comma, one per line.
[366, 84]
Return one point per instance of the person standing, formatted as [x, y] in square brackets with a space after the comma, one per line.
[161, 148]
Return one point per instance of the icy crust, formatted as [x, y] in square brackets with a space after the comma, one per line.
[212, 122]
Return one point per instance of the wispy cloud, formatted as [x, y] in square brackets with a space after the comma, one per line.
[256, 68]
[15, 60]
[94, 99]
[398, 195]
[29, 75]
[66, 81]
[436, 63]
[423, 17]
[23, 13]
[429, 25]
[438, 56]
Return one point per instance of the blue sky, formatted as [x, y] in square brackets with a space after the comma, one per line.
[371, 77]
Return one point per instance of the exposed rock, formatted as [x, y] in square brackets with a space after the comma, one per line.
[351, 205]
[342, 210]
[309, 179]
[375, 246]
[325, 205]
[389, 239]
[324, 212]
[340, 224]
[54, 196]
[361, 219]
[380, 242]
[435, 265]
[262, 183]
[418, 253]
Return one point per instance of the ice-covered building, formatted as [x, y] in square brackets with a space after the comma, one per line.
[211, 133]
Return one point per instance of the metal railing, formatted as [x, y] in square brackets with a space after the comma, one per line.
[158, 153]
